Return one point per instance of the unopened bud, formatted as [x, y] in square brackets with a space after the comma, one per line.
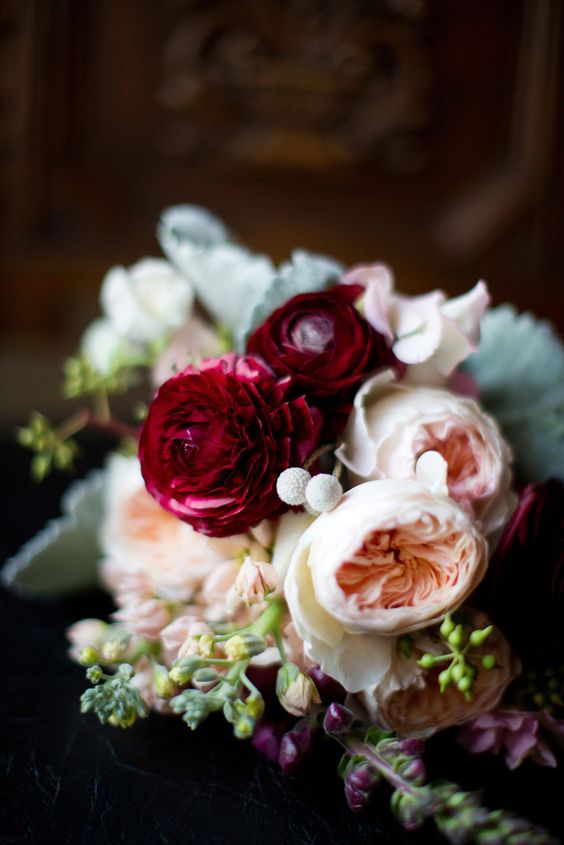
[254, 706]
[456, 638]
[244, 727]
[479, 637]
[489, 661]
[447, 626]
[296, 692]
[94, 674]
[427, 661]
[338, 719]
[255, 581]
[243, 646]
[164, 687]
[88, 656]
[183, 669]
[113, 650]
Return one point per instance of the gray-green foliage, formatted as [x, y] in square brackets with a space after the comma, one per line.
[519, 369]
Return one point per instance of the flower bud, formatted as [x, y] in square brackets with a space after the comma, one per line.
[255, 581]
[254, 706]
[456, 638]
[88, 656]
[427, 661]
[296, 692]
[338, 719]
[244, 727]
[357, 800]
[328, 688]
[164, 687]
[478, 637]
[489, 661]
[243, 646]
[363, 777]
[183, 669]
[266, 741]
[296, 747]
[94, 674]
[447, 626]
[113, 649]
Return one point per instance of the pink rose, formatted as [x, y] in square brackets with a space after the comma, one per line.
[393, 425]
[392, 557]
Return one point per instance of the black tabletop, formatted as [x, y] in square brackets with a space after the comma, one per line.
[68, 779]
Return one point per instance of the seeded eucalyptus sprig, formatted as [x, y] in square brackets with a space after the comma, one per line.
[462, 669]
[373, 755]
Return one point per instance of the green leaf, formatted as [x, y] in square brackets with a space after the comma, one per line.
[63, 557]
[519, 369]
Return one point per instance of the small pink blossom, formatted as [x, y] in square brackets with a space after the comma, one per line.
[517, 733]
[255, 581]
[144, 681]
[144, 617]
[86, 633]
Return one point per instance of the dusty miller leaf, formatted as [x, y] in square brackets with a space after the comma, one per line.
[519, 369]
[63, 556]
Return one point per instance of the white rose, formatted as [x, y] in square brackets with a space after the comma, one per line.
[146, 301]
[103, 346]
[393, 425]
[392, 557]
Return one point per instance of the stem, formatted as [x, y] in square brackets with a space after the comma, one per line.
[111, 426]
[280, 645]
[323, 450]
[354, 745]
[102, 405]
[270, 619]
[74, 424]
[250, 686]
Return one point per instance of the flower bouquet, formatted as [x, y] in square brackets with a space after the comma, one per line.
[339, 516]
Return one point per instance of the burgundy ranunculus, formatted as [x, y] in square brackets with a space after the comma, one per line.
[216, 439]
[322, 341]
[525, 585]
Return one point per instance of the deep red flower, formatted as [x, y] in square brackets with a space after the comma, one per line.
[326, 346]
[525, 585]
[215, 440]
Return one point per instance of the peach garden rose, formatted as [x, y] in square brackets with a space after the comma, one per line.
[391, 558]
[393, 425]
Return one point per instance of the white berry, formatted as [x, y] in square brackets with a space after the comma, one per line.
[291, 485]
[323, 492]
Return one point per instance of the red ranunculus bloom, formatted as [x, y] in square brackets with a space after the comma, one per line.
[326, 346]
[215, 440]
[525, 584]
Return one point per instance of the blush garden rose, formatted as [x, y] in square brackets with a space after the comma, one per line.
[215, 440]
[391, 558]
[392, 425]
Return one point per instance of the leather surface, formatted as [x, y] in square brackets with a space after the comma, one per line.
[67, 779]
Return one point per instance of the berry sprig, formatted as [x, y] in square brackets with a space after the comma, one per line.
[462, 669]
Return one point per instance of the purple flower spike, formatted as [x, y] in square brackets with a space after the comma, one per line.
[329, 689]
[356, 798]
[338, 719]
[412, 747]
[295, 747]
[266, 741]
[362, 777]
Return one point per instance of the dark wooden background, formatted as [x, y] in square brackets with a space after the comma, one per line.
[422, 132]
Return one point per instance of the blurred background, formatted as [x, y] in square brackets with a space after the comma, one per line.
[426, 133]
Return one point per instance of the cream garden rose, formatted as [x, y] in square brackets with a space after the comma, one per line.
[393, 425]
[391, 558]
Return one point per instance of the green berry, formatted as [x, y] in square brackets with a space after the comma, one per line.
[489, 661]
[447, 626]
[456, 638]
[464, 684]
[427, 661]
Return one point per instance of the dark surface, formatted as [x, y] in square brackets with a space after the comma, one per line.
[67, 779]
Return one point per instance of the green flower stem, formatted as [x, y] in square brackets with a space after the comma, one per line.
[102, 404]
[280, 645]
[270, 619]
[267, 623]
[73, 425]
[250, 686]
